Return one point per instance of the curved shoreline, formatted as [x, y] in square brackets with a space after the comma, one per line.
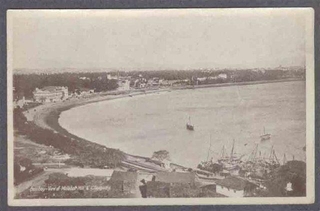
[47, 115]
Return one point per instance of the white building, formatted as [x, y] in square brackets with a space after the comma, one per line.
[112, 77]
[50, 94]
[202, 79]
[223, 76]
[19, 102]
[124, 85]
[234, 187]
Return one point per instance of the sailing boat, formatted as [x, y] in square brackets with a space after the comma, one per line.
[189, 125]
[265, 136]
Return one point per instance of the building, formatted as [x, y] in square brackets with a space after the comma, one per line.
[210, 191]
[223, 76]
[173, 185]
[154, 82]
[124, 181]
[112, 77]
[84, 91]
[140, 83]
[50, 94]
[123, 85]
[234, 187]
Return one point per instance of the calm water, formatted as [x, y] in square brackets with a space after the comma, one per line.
[143, 124]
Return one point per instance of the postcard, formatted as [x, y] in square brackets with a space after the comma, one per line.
[161, 107]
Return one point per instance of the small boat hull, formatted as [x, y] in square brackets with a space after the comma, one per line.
[265, 137]
[189, 127]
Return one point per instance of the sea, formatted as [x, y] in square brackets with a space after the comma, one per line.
[141, 125]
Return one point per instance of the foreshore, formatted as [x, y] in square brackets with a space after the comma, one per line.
[47, 115]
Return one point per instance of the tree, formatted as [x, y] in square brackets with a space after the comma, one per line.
[161, 155]
[292, 171]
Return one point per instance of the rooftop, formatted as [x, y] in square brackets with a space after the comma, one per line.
[175, 177]
[52, 88]
[124, 176]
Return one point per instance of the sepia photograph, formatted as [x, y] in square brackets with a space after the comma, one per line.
[160, 106]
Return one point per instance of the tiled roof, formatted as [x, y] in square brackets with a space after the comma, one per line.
[124, 176]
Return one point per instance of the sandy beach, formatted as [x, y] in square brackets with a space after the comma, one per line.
[40, 114]
[47, 115]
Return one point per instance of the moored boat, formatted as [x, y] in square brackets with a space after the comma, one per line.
[265, 136]
[189, 126]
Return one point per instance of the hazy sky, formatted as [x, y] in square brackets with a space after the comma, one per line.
[158, 39]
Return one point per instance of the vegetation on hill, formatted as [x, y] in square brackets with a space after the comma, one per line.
[25, 84]
[292, 172]
[84, 153]
[161, 155]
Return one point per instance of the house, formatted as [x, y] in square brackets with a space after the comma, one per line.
[234, 187]
[84, 91]
[154, 82]
[123, 85]
[124, 181]
[50, 94]
[202, 79]
[209, 191]
[112, 77]
[223, 76]
[173, 185]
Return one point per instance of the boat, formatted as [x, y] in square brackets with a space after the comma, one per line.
[265, 136]
[189, 126]
[229, 164]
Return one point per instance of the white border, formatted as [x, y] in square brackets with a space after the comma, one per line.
[310, 128]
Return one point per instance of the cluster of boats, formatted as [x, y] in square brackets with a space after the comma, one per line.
[252, 166]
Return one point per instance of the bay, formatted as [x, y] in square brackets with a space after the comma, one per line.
[143, 124]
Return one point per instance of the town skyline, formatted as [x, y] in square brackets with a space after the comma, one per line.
[112, 70]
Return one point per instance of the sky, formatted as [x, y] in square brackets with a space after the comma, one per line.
[157, 39]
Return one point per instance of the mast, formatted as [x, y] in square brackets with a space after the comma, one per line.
[271, 153]
[255, 152]
[284, 159]
[275, 156]
[231, 155]
[209, 149]
[222, 153]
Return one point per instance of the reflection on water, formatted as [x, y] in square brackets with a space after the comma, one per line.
[144, 124]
